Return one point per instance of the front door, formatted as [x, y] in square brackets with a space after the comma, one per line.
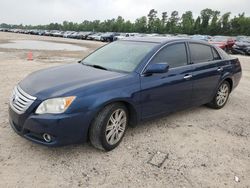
[171, 91]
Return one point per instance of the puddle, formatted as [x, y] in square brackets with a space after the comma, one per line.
[41, 45]
[59, 59]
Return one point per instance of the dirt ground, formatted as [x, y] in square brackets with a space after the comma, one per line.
[201, 147]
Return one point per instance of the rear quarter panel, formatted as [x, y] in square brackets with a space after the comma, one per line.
[236, 71]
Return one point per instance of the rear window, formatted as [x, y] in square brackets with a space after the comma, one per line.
[200, 53]
[222, 53]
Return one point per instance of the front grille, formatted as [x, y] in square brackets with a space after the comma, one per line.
[20, 101]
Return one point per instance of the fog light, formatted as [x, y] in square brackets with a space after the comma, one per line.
[47, 137]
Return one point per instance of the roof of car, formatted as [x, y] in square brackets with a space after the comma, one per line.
[154, 39]
[163, 40]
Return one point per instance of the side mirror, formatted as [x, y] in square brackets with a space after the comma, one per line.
[157, 68]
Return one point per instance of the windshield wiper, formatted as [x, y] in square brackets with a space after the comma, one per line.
[96, 66]
[99, 67]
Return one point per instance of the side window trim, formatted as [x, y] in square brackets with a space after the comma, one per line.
[189, 54]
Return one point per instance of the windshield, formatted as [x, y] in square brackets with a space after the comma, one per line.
[119, 56]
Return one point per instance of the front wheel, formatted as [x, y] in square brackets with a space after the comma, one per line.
[221, 97]
[108, 128]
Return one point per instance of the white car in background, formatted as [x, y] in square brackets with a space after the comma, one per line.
[95, 36]
[67, 34]
[124, 35]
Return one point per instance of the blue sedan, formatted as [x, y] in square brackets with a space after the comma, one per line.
[119, 85]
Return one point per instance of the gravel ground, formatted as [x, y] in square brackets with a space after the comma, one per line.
[198, 147]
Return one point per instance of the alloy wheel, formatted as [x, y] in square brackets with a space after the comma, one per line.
[116, 126]
[222, 94]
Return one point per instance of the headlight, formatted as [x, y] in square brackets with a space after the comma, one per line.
[55, 105]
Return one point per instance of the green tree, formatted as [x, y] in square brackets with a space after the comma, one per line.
[197, 25]
[173, 22]
[187, 22]
[164, 20]
[215, 23]
[119, 24]
[152, 16]
[141, 25]
[225, 24]
[208, 22]
[206, 15]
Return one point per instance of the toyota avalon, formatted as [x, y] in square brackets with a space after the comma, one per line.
[118, 85]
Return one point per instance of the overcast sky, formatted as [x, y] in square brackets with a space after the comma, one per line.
[47, 11]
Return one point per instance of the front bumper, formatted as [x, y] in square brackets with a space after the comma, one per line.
[64, 128]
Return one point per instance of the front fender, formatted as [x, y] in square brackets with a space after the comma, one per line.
[93, 99]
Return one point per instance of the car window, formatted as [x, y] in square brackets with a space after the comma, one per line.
[200, 53]
[222, 53]
[216, 55]
[175, 55]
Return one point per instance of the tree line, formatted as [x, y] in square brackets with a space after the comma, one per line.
[209, 22]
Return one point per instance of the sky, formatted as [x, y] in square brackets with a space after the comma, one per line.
[46, 11]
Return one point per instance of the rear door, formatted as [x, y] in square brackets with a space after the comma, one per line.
[206, 72]
[170, 91]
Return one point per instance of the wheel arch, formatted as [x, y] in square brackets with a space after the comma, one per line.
[133, 112]
[230, 81]
[225, 78]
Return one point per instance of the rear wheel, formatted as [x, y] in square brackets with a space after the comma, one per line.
[108, 128]
[221, 97]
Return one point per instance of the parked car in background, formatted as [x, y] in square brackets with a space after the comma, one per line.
[235, 45]
[223, 42]
[95, 36]
[201, 37]
[109, 36]
[67, 34]
[47, 33]
[242, 46]
[80, 35]
[73, 35]
[242, 38]
[87, 33]
[41, 32]
[3, 29]
[120, 84]
[58, 34]
[122, 36]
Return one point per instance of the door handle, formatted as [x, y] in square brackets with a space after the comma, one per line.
[220, 69]
[187, 77]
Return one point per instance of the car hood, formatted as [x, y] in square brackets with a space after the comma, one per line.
[60, 80]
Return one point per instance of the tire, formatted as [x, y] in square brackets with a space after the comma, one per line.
[106, 131]
[221, 97]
